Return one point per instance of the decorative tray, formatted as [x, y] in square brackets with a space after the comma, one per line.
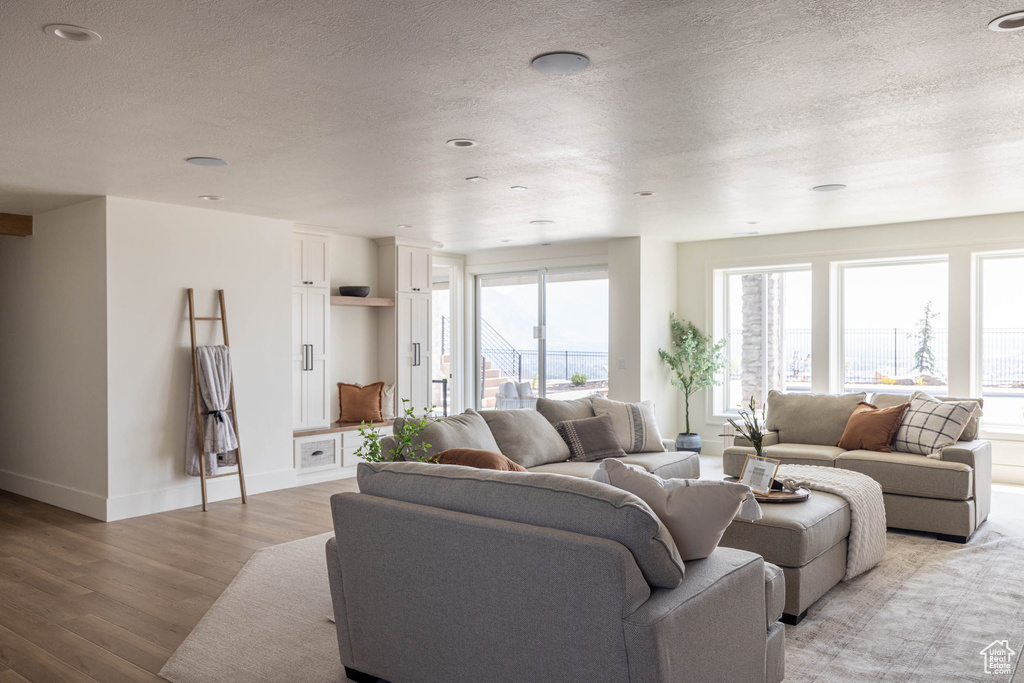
[783, 496]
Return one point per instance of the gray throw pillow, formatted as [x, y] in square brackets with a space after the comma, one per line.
[590, 438]
[468, 430]
[525, 437]
[560, 411]
[634, 424]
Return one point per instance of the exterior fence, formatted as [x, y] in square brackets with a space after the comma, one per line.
[876, 354]
[560, 365]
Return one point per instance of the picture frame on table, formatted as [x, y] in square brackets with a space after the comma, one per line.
[759, 473]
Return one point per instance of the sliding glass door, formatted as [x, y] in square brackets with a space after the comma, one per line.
[541, 333]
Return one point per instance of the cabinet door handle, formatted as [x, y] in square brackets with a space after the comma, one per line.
[415, 354]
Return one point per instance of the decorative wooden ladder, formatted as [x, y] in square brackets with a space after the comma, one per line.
[223, 318]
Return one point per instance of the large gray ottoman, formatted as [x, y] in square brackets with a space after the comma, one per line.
[807, 540]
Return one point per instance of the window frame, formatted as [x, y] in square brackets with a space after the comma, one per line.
[720, 323]
[978, 259]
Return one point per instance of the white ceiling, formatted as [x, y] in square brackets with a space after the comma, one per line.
[335, 113]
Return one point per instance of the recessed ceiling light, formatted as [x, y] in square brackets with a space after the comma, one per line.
[751, 222]
[461, 142]
[545, 244]
[403, 226]
[833, 187]
[506, 241]
[560, 63]
[518, 187]
[75, 34]
[745, 234]
[476, 179]
[1008, 22]
[211, 198]
[206, 161]
[644, 193]
[542, 222]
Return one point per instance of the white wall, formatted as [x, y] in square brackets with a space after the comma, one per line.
[154, 252]
[53, 333]
[624, 320]
[955, 238]
[353, 328]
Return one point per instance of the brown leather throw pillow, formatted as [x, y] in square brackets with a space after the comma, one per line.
[871, 429]
[483, 460]
[360, 404]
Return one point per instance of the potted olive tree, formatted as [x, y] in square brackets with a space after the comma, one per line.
[695, 361]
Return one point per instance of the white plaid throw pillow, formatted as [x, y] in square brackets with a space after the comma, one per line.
[929, 426]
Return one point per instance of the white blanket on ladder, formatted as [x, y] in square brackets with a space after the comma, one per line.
[867, 510]
[220, 443]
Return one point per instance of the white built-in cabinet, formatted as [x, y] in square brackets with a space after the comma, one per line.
[404, 334]
[310, 260]
[311, 329]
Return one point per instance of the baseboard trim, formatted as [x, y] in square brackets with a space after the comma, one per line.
[66, 497]
[190, 494]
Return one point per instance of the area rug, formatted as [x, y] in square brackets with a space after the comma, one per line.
[924, 614]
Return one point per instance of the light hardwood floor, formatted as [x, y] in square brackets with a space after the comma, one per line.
[82, 600]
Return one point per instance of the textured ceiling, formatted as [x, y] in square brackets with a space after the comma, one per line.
[336, 113]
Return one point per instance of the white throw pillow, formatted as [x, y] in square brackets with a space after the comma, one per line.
[696, 512]
[387, 403]
[929, 425]
[633, 423]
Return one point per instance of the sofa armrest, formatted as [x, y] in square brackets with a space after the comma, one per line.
[977, 455]
[669, 444]
[709, 628]
[770, 439]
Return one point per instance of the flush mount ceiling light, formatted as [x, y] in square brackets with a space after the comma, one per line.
[461, 142]
[518, 187]
[476, 179]
[542, 222]
[75, 34]
[211, 198]
[644, 193]
[1008, 22]
[833, 187]
[206, 161]
[560, 63]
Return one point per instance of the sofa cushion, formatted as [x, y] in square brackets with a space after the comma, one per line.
[526, 437]
[696, 512]
[547, 500]
[634, 424]
[793, 535]
[571, 468]
[912, 475]
[590, 438]
[667, 464]
[930, 425]
[774, 592]
[467, 430]
[810, 418]
[560, 411]
[970, 432]
[474, 457]
[872, 428]
[788, 453]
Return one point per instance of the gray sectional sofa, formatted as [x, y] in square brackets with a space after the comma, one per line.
[949, 495]
[447, 573]
[529, 438]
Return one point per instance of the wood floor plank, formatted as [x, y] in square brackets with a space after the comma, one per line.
[82, 600]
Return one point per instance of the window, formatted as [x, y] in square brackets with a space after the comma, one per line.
[766, 317]
[1001, 344]
[893, 321]
[541, 334]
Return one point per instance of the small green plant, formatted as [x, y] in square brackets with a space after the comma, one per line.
[578, 379]
[752, 430]
[371, 449]
[695, 361]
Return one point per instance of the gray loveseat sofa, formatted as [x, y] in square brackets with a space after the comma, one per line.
[529, 438]
[448, 573]
[949, 495]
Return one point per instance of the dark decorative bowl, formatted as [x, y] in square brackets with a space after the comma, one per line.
[353, 291]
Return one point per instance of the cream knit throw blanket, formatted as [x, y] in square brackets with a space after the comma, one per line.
[867, 510]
